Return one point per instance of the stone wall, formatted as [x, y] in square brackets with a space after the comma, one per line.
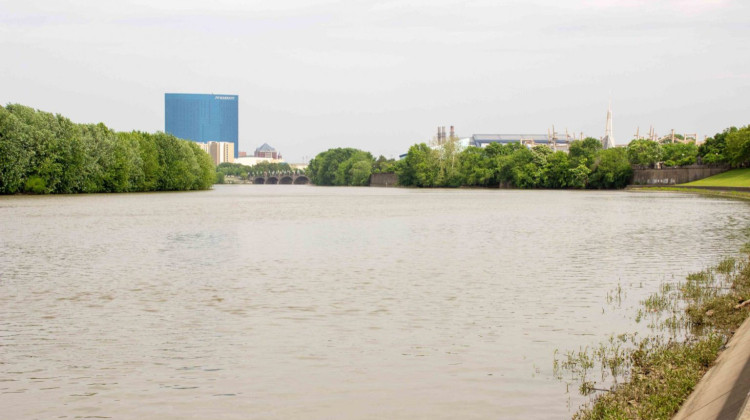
[671, 176]
[383, 180]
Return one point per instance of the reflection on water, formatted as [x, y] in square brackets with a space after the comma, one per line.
[304, 302]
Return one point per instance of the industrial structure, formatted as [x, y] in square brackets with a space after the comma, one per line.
[669, 138]
[441, 138]
[554, 140]
[202, 118]
[608, 141]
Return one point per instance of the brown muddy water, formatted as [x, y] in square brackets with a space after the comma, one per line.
[299, 302]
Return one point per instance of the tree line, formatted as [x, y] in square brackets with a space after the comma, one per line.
[586, 165]
[730, 147]
[43, 153]
[511, 165]
[346, 166]
[515, 165]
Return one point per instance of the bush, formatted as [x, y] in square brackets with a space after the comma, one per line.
[35, 185]
[43, 153]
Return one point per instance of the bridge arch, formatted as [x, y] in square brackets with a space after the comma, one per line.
[286, 180]
[301, 180]
[272, 180]
[259, 180]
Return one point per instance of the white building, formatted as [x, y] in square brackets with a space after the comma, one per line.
[254, 160]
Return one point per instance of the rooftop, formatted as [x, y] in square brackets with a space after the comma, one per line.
[265, 148]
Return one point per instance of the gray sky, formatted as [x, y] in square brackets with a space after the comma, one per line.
[382, 75]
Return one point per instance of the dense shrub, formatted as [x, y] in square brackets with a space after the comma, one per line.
[42, 153]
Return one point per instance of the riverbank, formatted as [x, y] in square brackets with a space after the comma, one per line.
[722, 392]
[741, 193]
[659, 374]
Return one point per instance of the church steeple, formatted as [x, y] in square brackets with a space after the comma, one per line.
[608, 141]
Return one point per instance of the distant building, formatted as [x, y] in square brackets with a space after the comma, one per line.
[242, 154]
[608, 141]
[556, 141]
[202, 118]
[267, 151]
[219, 151]
[204, 147]
[529, 140]
[252, 160]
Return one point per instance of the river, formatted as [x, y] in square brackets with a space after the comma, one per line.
[301, 302]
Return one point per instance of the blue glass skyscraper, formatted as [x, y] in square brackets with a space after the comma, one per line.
[202, 117]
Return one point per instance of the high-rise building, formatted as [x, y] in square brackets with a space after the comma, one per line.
[202, 117]
[221, 151]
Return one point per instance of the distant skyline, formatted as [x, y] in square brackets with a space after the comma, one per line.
[382, 75]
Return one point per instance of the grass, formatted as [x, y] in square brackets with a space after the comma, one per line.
[732, 178]
[652, 376]
[661, 378]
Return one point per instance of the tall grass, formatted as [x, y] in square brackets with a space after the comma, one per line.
[649, 377]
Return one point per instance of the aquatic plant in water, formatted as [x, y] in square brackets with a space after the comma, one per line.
[649, 377]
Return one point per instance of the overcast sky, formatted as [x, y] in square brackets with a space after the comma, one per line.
[382, 75]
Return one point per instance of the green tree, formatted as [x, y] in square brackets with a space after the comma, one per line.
[526, 168]
[263, 167]
[383, 165]
[738, 147]
[611, 169]
[583, 152]
[149, 152]
[126, 171]
[205, 170]
[334, 166]
[45, 153]
[502, 161]
[476, 167]
[713, 150]
[556, 172]
[644, 152]
[579, 176]
[360, 173]
[343, 175]
[449, 175]
[420, 167]
[679, 154]
[15, 153]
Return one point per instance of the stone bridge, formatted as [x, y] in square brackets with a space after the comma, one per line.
[285, 178]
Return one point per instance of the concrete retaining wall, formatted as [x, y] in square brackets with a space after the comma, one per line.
[671, 176]
[722, 392]
[383, 180]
